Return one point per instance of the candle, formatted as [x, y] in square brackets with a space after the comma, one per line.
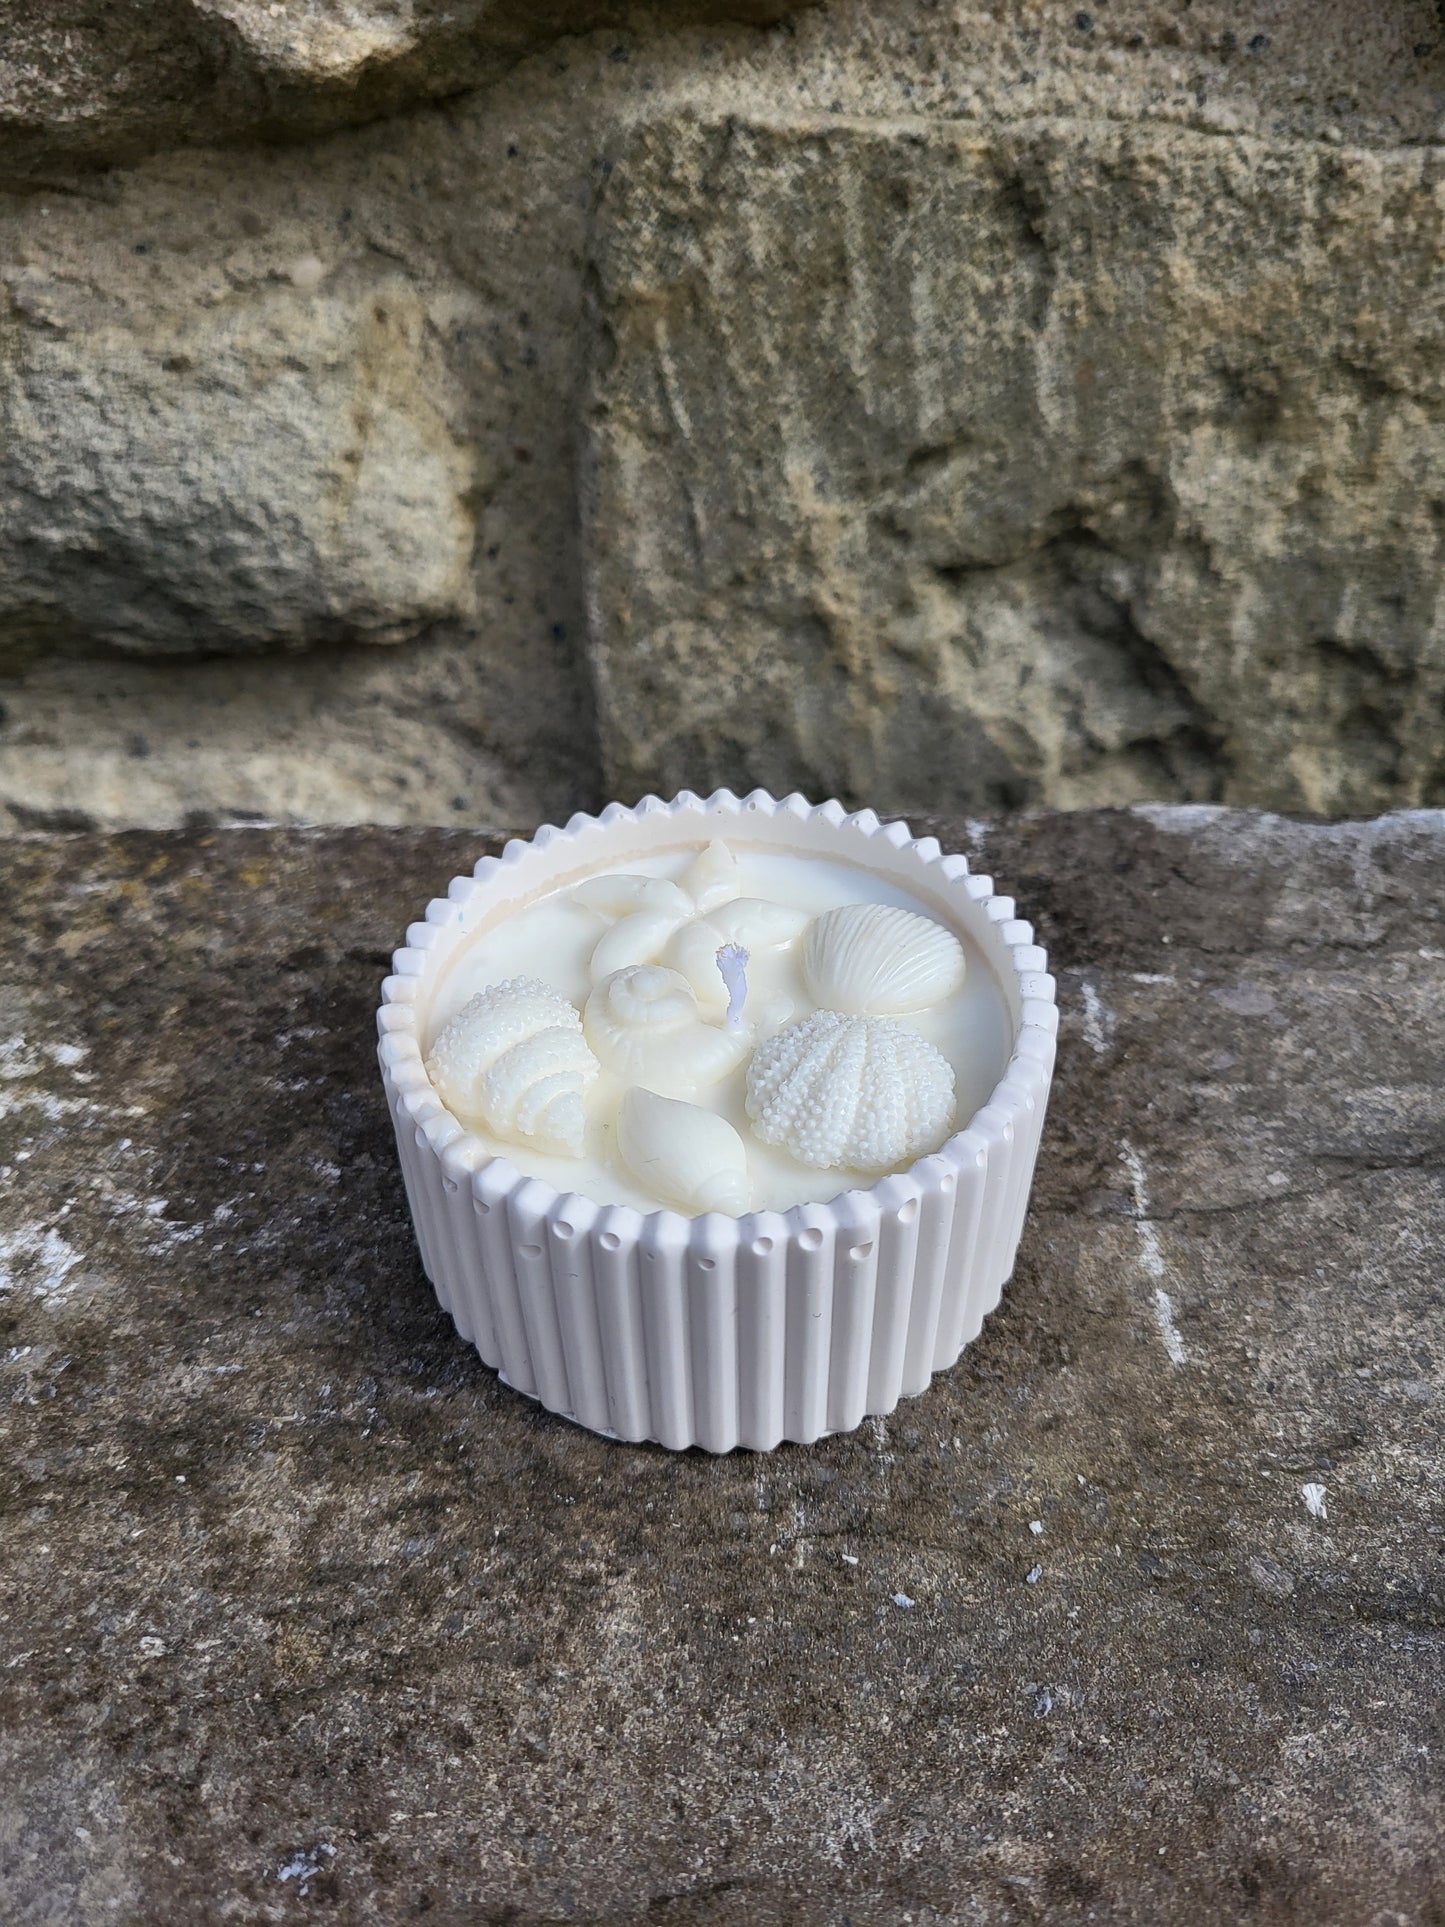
[647, 971]
[718, 1117]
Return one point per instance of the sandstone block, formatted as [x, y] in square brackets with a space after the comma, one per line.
[961, 467]
[92, 81]
[266, 473]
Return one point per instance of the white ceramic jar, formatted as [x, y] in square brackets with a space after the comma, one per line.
[718, 1331]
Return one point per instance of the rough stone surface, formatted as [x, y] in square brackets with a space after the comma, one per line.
[475, 214]
[261, 474]
[301, 1607]
[107, 80]
[1065, 463]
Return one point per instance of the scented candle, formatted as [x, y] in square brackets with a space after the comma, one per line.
[564, 941]
[718, 1117]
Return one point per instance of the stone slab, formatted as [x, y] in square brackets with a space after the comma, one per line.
[301, 1609]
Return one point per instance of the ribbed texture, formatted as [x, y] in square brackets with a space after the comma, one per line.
[713, 1331]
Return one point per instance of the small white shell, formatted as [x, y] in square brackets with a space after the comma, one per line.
[850, 1093]
[645, 1026]
[874, 959]
[684, 1155]
[712, 877]
[514, 1057]
[632, 940]
[620, 894]
[692, 949]
[756, 923]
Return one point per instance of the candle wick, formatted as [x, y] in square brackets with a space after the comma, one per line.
[732, 963]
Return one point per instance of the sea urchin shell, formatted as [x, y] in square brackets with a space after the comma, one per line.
[850, 1093]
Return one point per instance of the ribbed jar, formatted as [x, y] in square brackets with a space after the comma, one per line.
[718, 1331]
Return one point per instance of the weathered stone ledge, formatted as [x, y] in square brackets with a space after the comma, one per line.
[301, 1606]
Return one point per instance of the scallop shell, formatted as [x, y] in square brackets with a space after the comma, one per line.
[683, 1154]
[875, 960]
[850, 1093]
[514, 1058]
[645, 1026]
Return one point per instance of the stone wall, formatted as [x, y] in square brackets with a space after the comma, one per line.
[944, 403]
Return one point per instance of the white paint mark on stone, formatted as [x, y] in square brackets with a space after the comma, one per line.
[52, 1108]
[1036, 1526]
[1151, 1253]
[1151, 977]
[1168, 1330]
[903, 1602]
[38, 1255]
[1314, 1498]
[849, 1558]
[16, 1060]
[306, 1865]
[1098, 1020]
[20, 1059]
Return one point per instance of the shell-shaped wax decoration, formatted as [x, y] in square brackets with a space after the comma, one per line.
[750, 922]
[876, 960]
[645, 1026]
[514, 1058]
[620, 894]
[633, 939]
[712, 878]
[679, 1152]
[843, 1092]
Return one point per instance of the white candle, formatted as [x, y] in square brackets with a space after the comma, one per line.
[661, 934]
[640, 1215]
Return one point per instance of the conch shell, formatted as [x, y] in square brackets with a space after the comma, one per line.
[877, 960]
[514, 1058]
[850, 1093]
[645, 1026]
[683, 1154]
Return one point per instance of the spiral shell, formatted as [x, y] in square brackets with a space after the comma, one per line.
[514, 1058]
[645, 1026]
[876, 960]
[850, 1093]
[684, 1155]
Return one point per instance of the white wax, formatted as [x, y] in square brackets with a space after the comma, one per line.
[552, 938]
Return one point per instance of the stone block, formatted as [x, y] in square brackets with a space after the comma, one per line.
[939, 466]
[268, 472]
